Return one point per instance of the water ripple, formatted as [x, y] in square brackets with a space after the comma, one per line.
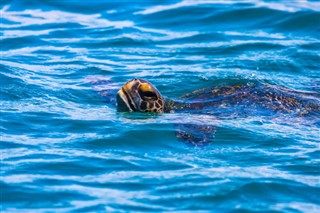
[64, 149]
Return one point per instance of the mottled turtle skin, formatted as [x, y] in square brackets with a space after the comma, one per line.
[224, 101]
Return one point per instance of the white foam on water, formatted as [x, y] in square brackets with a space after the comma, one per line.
[29, 51]
[185, 3]
[40, 17]
[283, 42]
[288, 6]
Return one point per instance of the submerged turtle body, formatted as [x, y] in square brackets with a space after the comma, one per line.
[253, 99]
[240, 99]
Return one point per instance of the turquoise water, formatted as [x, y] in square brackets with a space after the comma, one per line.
[63, 149]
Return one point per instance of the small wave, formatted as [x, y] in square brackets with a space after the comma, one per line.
[288, 42]
[40, 17]
[288, 6]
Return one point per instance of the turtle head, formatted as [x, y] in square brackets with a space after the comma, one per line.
[138, 95]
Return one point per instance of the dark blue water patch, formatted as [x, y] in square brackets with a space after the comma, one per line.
[16, 93]
[15, 43]
[6, 22]
[246, 18]
[273, 65]
[80, 34]
[13, 145]
[22, 123]
[314, 153]
[227, 194]
[10, 86]
[35, 198]
[196, 37]
[66, 26]
[238, 48]
[311, 46]
[73, 167]
[91, 33]
[18, 6]
[306, 60]
[118, 42]
[209, 18]
[302, 169]
[300, 22]
[133, 140]
[229, 50]
[266, 190]
[98, 6]
[98, 207]
[172, 18]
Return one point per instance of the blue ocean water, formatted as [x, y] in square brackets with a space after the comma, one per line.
[63, 149]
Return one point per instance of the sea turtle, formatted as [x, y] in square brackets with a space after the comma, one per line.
[224, 101]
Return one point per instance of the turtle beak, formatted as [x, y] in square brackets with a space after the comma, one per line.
[123, 101]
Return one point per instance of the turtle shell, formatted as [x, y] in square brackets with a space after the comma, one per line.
[248, 99]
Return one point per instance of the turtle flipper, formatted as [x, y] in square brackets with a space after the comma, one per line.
[196, 134]
[104, 87]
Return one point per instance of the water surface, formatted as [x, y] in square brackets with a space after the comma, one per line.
[64, 149]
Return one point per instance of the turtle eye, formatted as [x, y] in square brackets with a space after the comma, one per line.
[147, 93]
